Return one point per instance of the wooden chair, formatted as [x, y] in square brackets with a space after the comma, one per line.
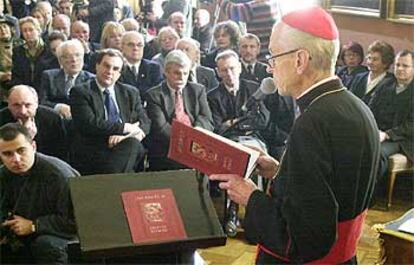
[398, 163]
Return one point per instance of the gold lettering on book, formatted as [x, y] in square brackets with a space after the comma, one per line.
[153, 212]
[227, 162]
[203, 153]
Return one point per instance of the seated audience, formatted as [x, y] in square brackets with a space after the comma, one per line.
[27, 58]
[203, 30]
[65, 7]
[36, 209]
[174, 98]
[61, 23]
[249, 49]
[226, 101]
[44, 124]
[109, 120]
[177, 22]
[368, 84]
[352, 55]
[80, 30]
[57, 83]
[112, 35]
[50, 61]
[167, 38]
[198, 74]
[130, 24]
[227, 36]
[138, 72]
[395, 116]
[41, 18]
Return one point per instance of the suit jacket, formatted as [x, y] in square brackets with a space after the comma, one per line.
[359, 86]
[161, 110]
[224, 107]
[207, 77]
[395, 116]
[259, 72]
[51, 135]
[53, 86]
[149, 75]
[22, 73]
[100, 11]
[88, 113]
[203, 36]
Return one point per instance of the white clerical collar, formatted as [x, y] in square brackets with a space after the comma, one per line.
[325, 80]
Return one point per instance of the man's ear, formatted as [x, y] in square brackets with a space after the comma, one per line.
[302, 61]
[34, 145]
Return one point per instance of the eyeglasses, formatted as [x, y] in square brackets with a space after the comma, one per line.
[271, 59]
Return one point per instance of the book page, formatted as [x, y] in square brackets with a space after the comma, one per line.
[407, 226]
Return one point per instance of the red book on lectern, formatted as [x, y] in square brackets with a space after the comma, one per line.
[210, 153]
[153, 216]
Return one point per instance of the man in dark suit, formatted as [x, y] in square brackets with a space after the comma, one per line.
[227, 100]
[138, 72]
[44, 124]
[249, 49]
[203, 30]
[198, 74]
[395, 116]
[109, 120]
[174, 98]
[57, 83]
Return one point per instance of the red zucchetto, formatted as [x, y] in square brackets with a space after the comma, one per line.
[313, 20]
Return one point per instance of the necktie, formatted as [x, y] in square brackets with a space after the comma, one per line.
[111, 110]
[250, 69]
[180, 114]
[69, 84]
[134, 70]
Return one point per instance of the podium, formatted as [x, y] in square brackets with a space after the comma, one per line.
[103, 226]
[397, 246]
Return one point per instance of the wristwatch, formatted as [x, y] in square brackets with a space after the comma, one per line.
[33, 228]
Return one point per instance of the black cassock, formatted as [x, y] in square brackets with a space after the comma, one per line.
[319, 197]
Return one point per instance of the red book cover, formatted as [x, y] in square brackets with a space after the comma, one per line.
[208, 152]
[153, 216]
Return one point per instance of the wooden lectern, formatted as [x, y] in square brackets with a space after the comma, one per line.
[103, 230]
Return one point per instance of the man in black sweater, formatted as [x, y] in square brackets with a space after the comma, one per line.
[35, 206]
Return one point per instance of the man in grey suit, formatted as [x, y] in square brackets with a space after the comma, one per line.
[198, 73]
[109, 120]
[57, 83]
[174, 98]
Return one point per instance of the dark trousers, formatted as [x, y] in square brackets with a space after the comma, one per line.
[387, 149]
[42, 249]
[123, 158]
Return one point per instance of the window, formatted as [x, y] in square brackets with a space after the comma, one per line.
[395, 10]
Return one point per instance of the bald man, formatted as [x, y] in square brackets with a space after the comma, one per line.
[43, 123]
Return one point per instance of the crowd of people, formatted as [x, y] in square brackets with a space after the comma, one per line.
[86, 89]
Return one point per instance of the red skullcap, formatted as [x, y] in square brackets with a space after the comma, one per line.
[313, 20]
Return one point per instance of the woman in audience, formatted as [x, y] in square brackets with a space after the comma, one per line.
[41, 17]
[368, 85]
[167, 38]
[112, 35]
[227, 36]
[352, 55]
[28, 57]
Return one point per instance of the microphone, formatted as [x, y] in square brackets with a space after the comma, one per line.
[267, 87]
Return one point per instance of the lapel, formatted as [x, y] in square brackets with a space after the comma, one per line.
[121, 95]
[97, 99]
[167, 98]
[142, 73]
[59, 82]
[187, 100]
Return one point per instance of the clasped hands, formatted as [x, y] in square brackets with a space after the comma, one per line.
[130, 130]
[19, 226]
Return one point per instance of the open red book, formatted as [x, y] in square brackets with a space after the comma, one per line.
[210, 153]
[153, 216]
